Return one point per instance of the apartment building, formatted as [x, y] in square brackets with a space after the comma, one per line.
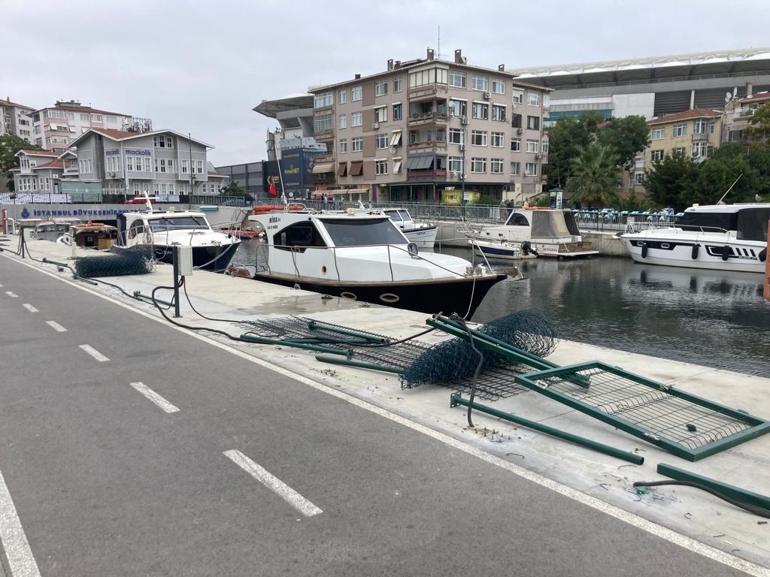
[16, 119]
[692, 132]
[738, 113]
[428, 125]
[56, 128]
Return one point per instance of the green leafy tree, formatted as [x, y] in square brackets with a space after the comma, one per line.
[595, 176]
[565, 139]
[626, 136]
[759, 125]
[672, 180]
[10, 144]
[233, 189]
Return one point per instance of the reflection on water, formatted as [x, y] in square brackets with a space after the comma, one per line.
[705, 317]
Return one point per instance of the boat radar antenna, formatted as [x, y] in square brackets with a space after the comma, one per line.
[720, 201]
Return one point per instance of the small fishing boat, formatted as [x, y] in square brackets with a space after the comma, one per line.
[503, 250]
[96, 235]
[53, 229]
[420, 233]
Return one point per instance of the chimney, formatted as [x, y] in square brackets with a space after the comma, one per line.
[396, 65]
[749, 89]
[430, 53]
[390, 64]
[501, 67]
[459, 56]
[358, 77]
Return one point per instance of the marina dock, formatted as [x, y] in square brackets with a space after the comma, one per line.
[116, 389]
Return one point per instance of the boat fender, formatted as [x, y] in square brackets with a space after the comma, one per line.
[695, 249]
[725, 252]
[412, 249]
[763, 255]
[526, 247]
[389, 298]
[644, 250]
[348, 295]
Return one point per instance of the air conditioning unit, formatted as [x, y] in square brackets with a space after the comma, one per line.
[376, 125]
[464, 120]
[462, 147]
[519, 131]
[487, 96]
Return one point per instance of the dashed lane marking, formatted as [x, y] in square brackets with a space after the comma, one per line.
[155, 397]
[12, 294]
[94, 353]
[56, 326]
[30, 308]
[19, 556]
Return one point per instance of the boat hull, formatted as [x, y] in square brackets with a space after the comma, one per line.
[500, 251]
[424, 237]
[447, 296]
[214, 258]
[708, 255]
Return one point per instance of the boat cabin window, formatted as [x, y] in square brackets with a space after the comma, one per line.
[393, 215]
[178, 222]
[708, 221]
[517, 219]
[752, 224]
[136, 228]
[368, 232]
[298, 236]
[404, 214]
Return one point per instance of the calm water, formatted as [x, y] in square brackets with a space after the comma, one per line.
[704, 317]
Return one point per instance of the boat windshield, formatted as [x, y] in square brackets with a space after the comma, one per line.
[707, 221]
[368, 232]
[404, 214]
[167, 223]
[752, 223]
[393, 214]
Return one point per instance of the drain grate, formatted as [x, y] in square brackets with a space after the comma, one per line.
[683, 424]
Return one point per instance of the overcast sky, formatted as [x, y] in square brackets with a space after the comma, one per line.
[201, 67]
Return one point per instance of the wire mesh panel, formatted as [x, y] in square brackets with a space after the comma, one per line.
[686, 425]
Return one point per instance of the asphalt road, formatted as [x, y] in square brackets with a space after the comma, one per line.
[107, 483]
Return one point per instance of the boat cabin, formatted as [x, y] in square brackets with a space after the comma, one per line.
[136, 226]
[749, 221]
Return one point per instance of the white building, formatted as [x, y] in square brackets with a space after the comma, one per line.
[16, 119]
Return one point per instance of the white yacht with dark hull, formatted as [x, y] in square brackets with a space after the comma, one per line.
[158, 231]
[549, 232]
[722, 237]
[363, 255]
[420, 233]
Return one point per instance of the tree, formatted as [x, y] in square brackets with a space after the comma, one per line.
[233, 189]
[10, 144]
[626, 136]
[759, 125]
[671, 181]
[565, 139]
[595, 176]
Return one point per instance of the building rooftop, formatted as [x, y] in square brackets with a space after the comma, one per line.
[74, 106]
[756, 97]
[8, 102]
[686, 115]
[271, 108]
[120, 135]
[57, 163]
[45, 153]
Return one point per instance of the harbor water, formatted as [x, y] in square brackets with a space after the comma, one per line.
[704, 317]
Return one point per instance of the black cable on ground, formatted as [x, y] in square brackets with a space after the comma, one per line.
[476, 372]
[760, 511]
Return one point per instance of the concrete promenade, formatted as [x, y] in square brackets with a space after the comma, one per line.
[131, 447]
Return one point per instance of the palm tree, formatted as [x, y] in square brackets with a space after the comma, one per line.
[595, 176]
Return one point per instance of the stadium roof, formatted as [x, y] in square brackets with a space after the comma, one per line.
[650, 69]
[271, 108]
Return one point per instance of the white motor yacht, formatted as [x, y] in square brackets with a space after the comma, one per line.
[422, 234]
[363, 255]
[723, 237]
[549, 232]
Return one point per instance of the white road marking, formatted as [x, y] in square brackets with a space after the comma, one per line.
[12, 294]
[94, 353]
[56, 326]
[30, 308]
[14, 541]
[155, 397]
[632, 519]
[273, 483]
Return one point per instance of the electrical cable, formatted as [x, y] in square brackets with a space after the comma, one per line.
[760, 511]
[475, 372]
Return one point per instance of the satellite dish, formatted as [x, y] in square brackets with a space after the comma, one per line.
[393, 150]
[728, 96]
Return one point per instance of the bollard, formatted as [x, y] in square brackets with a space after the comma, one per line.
[767, 264]
[5, 221]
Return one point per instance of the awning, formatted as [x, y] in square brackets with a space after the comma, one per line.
[396, 166]
[323, 167]
[356, 168]
[342, 170]
[419, 162]
[395, 139]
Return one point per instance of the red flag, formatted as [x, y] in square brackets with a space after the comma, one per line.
[272, 191]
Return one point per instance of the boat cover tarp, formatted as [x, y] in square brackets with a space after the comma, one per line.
[549, 225]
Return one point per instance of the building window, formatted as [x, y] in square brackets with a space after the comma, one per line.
[170, 164]
[322, 122]
[456, 136]
[533, 122]
[480, 110]
[515, 168]
[532, 145]
[129, 164]
[169, 142]
[517, 96]
[357, 144]
[496, 166]
[530, 169]
[545, 146]
[498, 112]
[680, 150]
[199, 166]
[398, 112]
[515, 144]
[185, 166]
[479, 138]
[162, 165]
[381, 167]
[356, 119]
[701, 126]
[498, 86]
[656, 155]
[456, 164]
[429, 76]
[397, 85]
[395, 138]
[342, 96]
[343, 146]
[343, 121]
[381, 114]
[639, 178]
[478, 165]
[382, 141]
[381, 88]
[146, 163]
[498, 139]
[457, 79]
[355, 94]
[323, 100]
[679, 130]
[516, 120]
[658, 133]
[700, 149]
[533, 98]
[479, 83]
[458, 107]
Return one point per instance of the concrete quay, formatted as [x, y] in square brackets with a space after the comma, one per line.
[665, 531]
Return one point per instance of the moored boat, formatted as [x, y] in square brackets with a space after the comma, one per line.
[503, 250]
[422, 234]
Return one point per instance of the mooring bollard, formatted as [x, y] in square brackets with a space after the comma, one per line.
[5, 220]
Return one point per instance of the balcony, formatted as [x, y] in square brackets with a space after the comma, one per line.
[426, 118]
[427, 91]
[427, 145]
[700, 136]
[427, 174]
